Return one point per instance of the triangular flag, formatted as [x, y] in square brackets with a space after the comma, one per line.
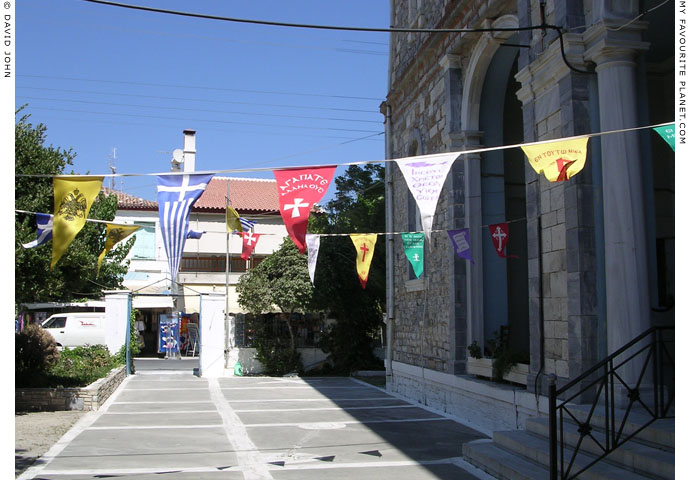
[232, 220]
[73, 198]
[558, 160]
[44, 230]
[668, 133]
[461, 242]
[113, 235]
[413, 243]
[499, 236]
[298, 191]
[425, 176]
[313, 244]
[176, 195]
[249, 241]
[364, 244]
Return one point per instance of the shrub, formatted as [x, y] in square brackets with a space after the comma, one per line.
[81, 366]
[273, 350]
[35, 351]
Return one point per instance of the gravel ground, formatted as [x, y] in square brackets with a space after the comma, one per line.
[35, 433]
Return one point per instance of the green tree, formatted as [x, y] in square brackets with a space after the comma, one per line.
[282, 281]
[74, 276]
[358, 207]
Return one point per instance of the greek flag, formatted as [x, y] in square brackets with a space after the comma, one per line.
[44, 224]
[176, 195]
[246, 224]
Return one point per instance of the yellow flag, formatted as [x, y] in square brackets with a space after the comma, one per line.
[232, 220]
[73, 197]
[113, 235]
[558, 160]
[364, 244]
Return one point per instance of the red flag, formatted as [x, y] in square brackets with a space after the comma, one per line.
[499, 235]
[298, 190]
[249, 241]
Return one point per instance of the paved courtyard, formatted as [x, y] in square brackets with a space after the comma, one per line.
[178, 426]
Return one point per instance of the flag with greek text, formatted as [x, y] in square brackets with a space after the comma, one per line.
[364, 245]
[425, 176]
[668, 133]
[558, 160]
[73, 198]
[249, 241]
[44, 230]
[413, 244]
[176, 195]
[313, 245]
[298, 190]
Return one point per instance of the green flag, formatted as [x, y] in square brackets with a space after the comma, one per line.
[414, 250]
[668, 133]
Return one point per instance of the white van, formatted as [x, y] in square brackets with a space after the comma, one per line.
[76, 329]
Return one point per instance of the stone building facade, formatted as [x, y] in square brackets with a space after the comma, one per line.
[595, 254]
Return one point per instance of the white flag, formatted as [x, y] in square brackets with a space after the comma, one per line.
[313, 244]
[425, 176]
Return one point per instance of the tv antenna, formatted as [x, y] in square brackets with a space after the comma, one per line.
[111, 165]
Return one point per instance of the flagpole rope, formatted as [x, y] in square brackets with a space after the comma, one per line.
[362, 162]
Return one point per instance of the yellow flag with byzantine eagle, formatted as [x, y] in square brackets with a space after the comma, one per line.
[113, 235]
[73, 197]
[364, 244]
[558, 160]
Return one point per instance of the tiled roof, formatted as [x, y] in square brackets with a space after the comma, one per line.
[246, 195]
[125, 201]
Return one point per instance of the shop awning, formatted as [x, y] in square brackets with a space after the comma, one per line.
[152, 301]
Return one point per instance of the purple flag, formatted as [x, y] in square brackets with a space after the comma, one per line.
[461, 243]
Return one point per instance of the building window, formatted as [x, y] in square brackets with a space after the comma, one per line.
[217, 264]
[145, 246]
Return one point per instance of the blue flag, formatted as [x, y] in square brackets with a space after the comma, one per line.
[246, 224]
[176, 195]
[194, 234]
[44, 224]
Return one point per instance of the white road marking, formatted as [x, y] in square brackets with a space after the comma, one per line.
[261, 410]
[248, 456]
[308, 425]
[155, 427]
[324, 399]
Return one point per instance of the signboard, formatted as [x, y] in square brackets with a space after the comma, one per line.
[169, 335]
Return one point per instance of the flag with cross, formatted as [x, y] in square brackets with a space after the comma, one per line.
[298, 190]
[249, 241]
[413, 244]
[499, 236]
[364, 245]
[176, 195]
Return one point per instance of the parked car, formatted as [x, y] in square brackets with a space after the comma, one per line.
[76, 329]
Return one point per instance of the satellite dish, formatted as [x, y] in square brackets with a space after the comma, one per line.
[178, 155]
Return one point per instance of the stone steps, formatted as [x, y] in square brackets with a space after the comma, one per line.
[524, 454]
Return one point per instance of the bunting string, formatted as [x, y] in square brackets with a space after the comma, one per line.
[365, 162]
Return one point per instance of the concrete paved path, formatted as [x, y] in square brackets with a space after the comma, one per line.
[160, 425]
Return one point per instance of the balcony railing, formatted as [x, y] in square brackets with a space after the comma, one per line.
[217, 264]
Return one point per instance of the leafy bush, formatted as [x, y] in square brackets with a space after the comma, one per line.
[81, 366]
[35, 351]
[274, 351]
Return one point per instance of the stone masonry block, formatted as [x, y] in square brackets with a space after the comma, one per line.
[546, 240]
[562, 369]
[546, 200]
[558, 236]
[558, 282]
[554, 262]
[560, 330]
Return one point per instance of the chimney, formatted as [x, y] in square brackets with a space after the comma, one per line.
[189, 152]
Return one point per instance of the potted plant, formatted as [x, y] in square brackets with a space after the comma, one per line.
[500, 363]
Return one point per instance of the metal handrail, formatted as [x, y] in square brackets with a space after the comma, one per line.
[654, 353]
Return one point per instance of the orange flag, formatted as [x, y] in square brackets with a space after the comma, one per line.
[364, 244]
[558, 160]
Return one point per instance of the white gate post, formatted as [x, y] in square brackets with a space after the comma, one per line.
[117, 304]
[212, 335]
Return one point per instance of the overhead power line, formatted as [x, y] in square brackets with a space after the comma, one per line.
[543, 26]
[228, 112]
[201, 87]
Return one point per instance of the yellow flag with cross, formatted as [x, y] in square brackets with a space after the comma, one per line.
[364, 245]
[73, 197]
[114, 234]
[558, 160]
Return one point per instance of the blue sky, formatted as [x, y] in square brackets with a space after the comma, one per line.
[110, 80]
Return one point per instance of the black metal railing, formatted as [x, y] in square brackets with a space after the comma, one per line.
[652, 397]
